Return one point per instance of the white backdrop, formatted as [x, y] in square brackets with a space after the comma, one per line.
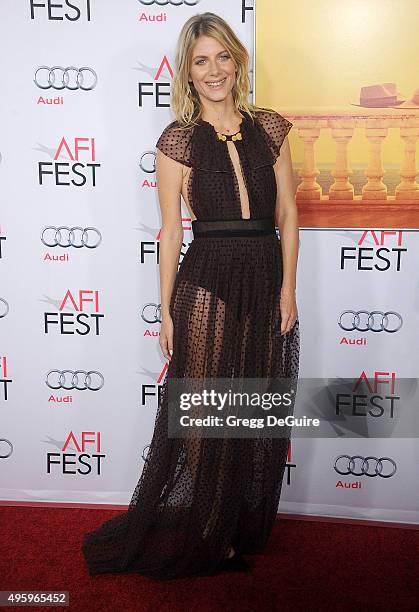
[83, 157]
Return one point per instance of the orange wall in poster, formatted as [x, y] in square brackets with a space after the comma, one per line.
[346, 75]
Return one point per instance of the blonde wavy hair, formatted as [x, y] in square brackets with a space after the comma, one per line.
[186, 104]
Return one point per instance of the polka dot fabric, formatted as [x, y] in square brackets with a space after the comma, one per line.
[197, 496]
[223, 173]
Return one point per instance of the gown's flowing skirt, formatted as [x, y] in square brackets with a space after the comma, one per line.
[195, 497]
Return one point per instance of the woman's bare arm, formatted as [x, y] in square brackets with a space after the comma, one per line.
[286, 218]
[169, 186]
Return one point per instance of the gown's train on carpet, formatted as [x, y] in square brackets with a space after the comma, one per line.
[196, 497]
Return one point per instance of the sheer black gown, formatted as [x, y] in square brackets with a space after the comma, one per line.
[196, 497]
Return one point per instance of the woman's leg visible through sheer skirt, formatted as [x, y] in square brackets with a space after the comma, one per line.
[206, 329]
[198, 496]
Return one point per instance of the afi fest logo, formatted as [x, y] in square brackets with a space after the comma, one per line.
[386, 252]
[86, 458]
[150, 249]
[290, 465]
[153, 90]
[83, 321]
[64, 10]
[4, 379]
[3, 239]
[78, 172]
[379, 399]
[153, 390]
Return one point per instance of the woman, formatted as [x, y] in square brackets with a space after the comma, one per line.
[229, 311]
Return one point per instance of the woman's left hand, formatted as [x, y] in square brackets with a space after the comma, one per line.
[288, 307]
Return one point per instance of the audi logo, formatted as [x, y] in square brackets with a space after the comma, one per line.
[172, 2]
[62, 381]
[145, 452]
[6, 448]
[4, 308]
[148, 156]
[71, 77]
[365, 466]
[151, 313]
[76, 237]
[375, 321]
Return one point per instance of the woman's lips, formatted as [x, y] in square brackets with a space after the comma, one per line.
[220, 84]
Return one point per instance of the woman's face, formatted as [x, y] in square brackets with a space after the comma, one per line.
[212, 69]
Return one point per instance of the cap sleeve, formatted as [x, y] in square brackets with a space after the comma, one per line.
[176, 143]
[275, 129]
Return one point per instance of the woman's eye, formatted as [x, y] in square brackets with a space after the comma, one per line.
[223, 57]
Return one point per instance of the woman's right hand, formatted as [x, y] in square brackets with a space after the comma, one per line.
[166, 336]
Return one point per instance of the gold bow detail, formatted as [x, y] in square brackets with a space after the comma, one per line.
[237, 136]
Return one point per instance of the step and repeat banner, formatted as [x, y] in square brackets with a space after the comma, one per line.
[359, 314]
[88, 94]
[354, 104]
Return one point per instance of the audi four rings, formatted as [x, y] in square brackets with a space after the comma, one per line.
[375, 321]
[145, 452]
[4, 308]
[86, 380]
[151, 313]
[172, 2]
[4, 454]
[367, 466]
[143, 167]
[46, 77]
[64, 236]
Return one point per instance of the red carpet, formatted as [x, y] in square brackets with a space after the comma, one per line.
[308, 565]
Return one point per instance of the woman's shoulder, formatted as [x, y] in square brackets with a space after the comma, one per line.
[275, 127]
[270, 118]
[176, 128]
[174, 141]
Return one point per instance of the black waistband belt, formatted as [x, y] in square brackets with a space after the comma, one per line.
[234, 227]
